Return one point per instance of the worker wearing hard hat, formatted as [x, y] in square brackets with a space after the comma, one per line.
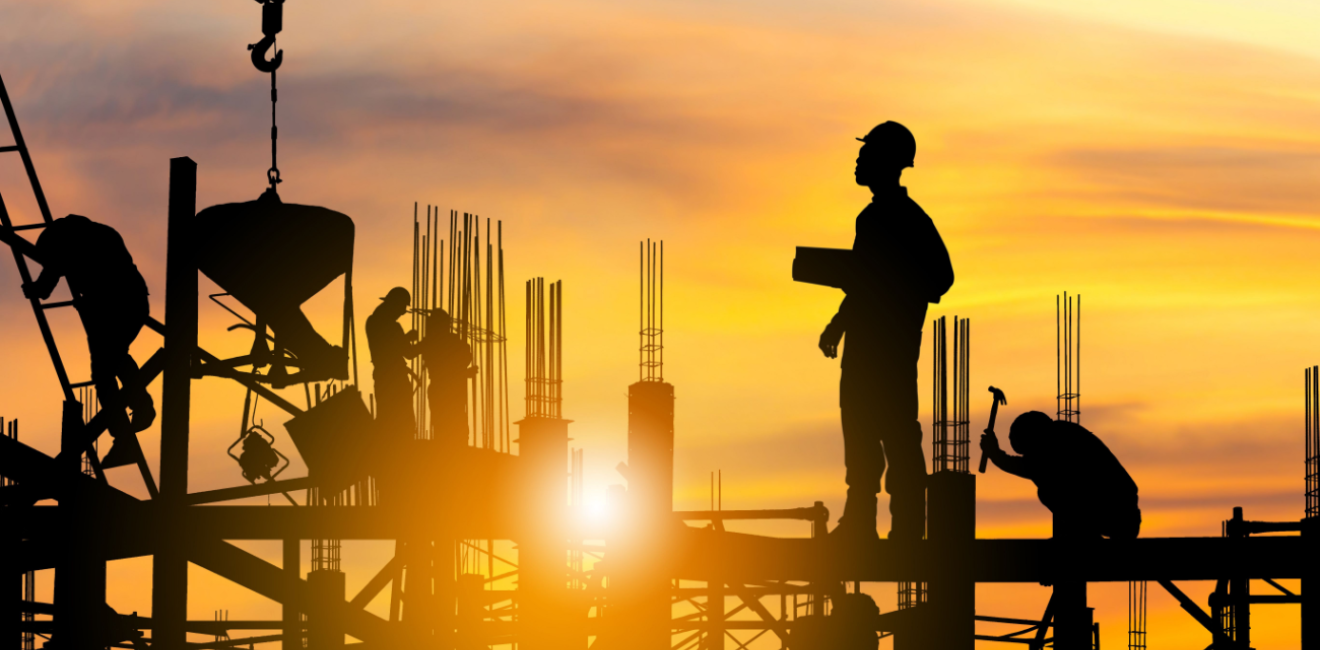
[390, 351]
[900, 265]
[111, 298]
[449, 365]
[1076, 476]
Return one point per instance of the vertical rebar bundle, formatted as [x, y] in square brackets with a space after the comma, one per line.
[450, 274]
[544, 352]
[651, 312]
[1137, 615]
[1313, 441]
[951, 435]
[1068, 352]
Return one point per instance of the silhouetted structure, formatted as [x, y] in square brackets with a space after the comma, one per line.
[458, 516]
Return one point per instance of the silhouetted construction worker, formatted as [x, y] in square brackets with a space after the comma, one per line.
[390, 350]
[900, 265]
[111, 298]
[449, 365]
[1076, 476]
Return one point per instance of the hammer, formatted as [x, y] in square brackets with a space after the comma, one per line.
[998, 398]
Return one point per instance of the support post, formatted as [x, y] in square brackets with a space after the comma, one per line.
[169, 596]
[79, 577]
[1072, 618]
[1310, 585]
[951, 591]
[293, 628]
[1239, 587]
[544, 620]
[325, 631]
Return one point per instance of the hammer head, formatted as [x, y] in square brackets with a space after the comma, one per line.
[998, 396]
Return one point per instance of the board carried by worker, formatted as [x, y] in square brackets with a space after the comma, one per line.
[1077, 477]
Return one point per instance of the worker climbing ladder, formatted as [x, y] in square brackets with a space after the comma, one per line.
[23, 249]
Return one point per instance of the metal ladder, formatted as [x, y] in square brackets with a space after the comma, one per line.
[20, 255]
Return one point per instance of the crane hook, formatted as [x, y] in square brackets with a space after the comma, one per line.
[259, 50]
[272, 21]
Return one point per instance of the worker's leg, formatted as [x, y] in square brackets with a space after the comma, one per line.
[862, 455]
[900, 432]
[394, 408]
[107, 348]
[135, 389]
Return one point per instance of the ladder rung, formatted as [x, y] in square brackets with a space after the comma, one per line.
[82, 384]
[30, 226]
[57, 305]
[12, 147]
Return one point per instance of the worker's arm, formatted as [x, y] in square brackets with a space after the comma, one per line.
[1015, 465]
[829, 339]
[44, 285]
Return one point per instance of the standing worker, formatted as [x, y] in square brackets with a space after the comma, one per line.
[1076, 476]
[449, 366]
[390, 350]
[899, 265]
[111, 298]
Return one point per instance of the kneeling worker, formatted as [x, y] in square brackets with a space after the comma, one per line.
[1076, 476]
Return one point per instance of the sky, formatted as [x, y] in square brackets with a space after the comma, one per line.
[1156, 158]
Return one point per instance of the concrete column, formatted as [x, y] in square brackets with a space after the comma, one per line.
[644, 594]
[951, 590]
[79, 576]
[543, 550]
[325, 631]
[169, 592]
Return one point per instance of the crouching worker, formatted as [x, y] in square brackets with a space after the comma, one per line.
[1076, 476]
[111, 298]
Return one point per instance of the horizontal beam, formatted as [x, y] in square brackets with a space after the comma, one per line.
[703, 554]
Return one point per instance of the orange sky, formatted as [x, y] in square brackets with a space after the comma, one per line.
[1156, 157]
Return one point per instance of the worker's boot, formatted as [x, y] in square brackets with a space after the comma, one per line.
[857, 525]
[123, 451]
[144, 412]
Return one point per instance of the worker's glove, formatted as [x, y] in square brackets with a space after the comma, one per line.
[32, 290]
[989, 443]
[413, 336]
[829, 339]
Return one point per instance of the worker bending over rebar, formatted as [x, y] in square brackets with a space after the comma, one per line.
[1076, 476]
[448, 365]
[899, 265]
[111, 298]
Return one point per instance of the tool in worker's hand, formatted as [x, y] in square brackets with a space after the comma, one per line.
[994, 411]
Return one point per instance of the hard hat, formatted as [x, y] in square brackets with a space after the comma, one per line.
[398, 294]
[895, 140]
